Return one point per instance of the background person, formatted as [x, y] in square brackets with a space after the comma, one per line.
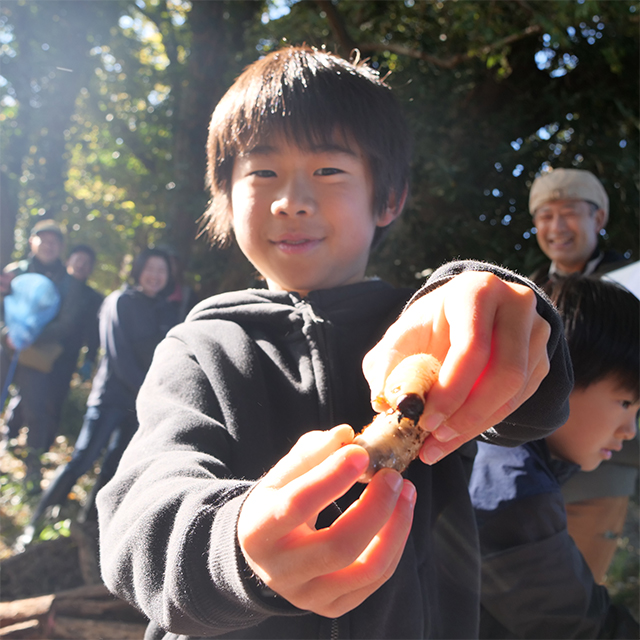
[30, 405]
[570, 207]
[133, 320]
[183, 297]
[85, 333]
[535, 581]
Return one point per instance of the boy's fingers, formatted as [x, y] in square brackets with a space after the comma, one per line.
[308, 452]
[410, 334]
[305, 496]
[518, 364]
[343, 589]
[354, 530]
[340, 544]
[495, 352]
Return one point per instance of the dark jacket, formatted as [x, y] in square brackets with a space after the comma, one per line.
[131, 326]
[229, 392]
[599, 263]
[86, 328]
[535, 582]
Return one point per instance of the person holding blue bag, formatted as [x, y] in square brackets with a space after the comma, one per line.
[29, 406]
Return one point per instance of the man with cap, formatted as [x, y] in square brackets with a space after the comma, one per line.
[570, 207]
[31, 404]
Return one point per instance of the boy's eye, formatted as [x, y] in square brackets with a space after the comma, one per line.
[328, 171]
[263, 173]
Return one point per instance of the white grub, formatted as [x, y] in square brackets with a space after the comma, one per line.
[394, 438]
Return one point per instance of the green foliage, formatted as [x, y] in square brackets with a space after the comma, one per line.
[495, 92]
[62, 528]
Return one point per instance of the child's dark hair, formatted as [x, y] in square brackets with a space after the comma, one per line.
[139, 262]
[602, 327]
[84, 248]
[309, 96]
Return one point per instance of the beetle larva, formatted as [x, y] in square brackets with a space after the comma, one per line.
[394, 438]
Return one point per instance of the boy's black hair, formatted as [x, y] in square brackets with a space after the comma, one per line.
[139, 262]
[84, 248]
[602, 327]
[310, 96]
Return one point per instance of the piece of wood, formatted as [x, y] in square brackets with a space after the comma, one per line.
[83, 629]
[20, 610]
[27, 630]
[90, 608]
[86, 592]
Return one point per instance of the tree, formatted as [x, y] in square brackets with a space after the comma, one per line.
[130, 130]
[45, 61]
[495, 92]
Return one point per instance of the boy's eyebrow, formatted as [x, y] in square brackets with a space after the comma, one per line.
[329, 147]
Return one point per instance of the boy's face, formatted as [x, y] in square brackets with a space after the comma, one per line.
[602, 416]
[304, 218]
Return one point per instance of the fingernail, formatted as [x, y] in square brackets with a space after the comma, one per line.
[394, 480]
[445, 433]
[409, 492]
[432, 453]
[433, 421]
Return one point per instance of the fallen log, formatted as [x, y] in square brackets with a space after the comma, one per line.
[29, 630]
[17, 611]
[83, 613]
[86, 629]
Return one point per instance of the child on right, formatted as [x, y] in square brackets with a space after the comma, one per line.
[535, 581]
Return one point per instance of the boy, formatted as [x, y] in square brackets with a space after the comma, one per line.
[214, 525]
[535, 582]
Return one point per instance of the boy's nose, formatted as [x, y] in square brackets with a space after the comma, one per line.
[629, 427]
[295, 199]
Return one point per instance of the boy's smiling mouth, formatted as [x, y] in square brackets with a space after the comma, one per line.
[295, 243]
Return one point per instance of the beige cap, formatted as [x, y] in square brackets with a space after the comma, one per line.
[568, 184]
[47, 225]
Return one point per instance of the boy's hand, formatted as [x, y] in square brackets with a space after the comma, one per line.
[493, 347]
[328, 571]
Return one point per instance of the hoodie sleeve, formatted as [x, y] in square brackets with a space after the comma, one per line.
[548, 408]
[168, 518]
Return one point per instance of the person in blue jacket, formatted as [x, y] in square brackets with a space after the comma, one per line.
[535, 581]
[133, 320]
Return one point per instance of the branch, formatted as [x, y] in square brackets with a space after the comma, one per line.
[337, 25]
[452, 61]
[137, 148]
[168, 38]
[348, 44]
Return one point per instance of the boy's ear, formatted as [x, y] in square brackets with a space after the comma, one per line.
[393, 209]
